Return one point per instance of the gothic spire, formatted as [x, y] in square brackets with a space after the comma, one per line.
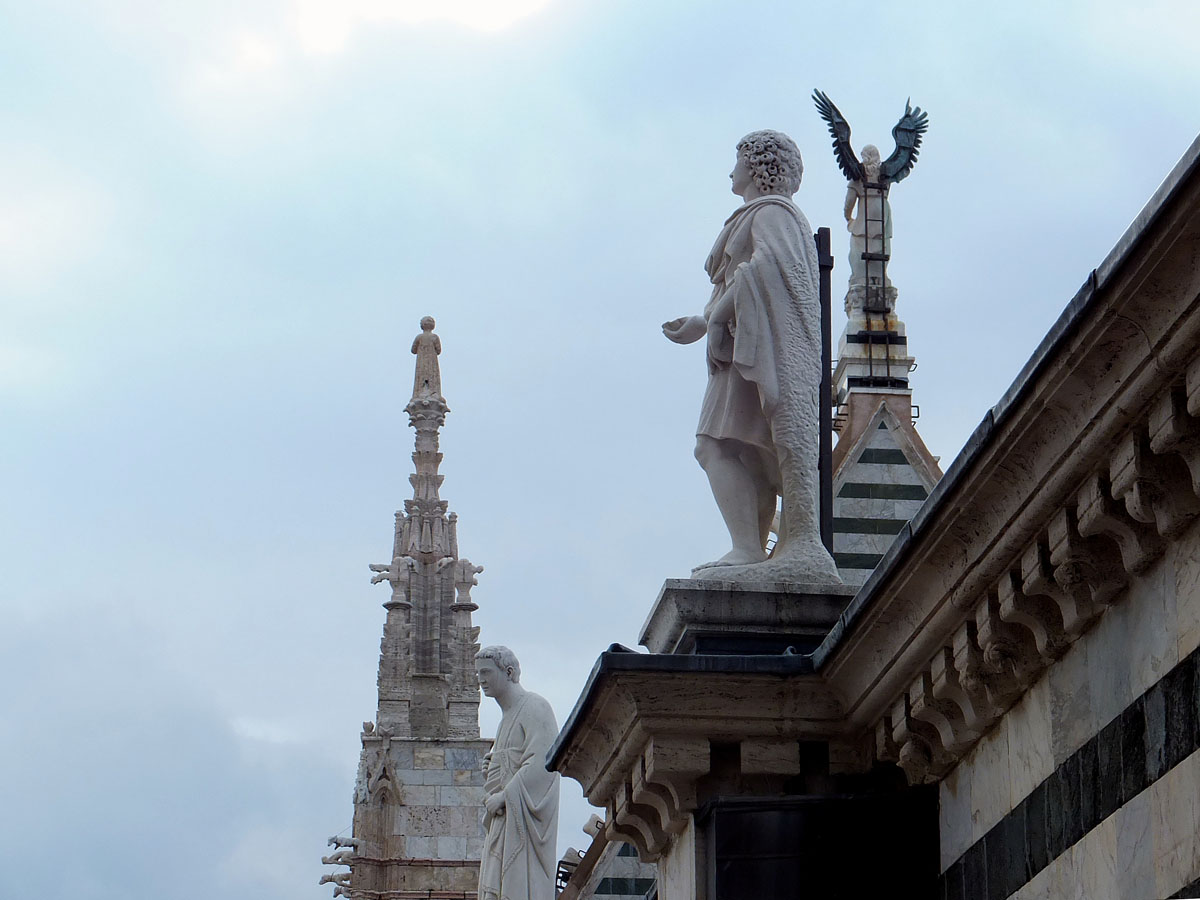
[427, 684]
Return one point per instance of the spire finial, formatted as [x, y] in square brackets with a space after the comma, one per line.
[427, 413]
[427, 383]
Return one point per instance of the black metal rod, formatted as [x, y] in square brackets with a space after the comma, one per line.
[825, 405]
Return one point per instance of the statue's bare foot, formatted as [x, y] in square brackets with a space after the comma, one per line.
[734, 557]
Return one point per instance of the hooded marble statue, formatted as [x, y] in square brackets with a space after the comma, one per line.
[757, 438]
[521, 809]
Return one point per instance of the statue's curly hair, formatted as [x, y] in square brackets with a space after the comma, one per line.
[775, 161]
[504, 659]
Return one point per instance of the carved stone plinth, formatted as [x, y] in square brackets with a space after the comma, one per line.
[703, 616]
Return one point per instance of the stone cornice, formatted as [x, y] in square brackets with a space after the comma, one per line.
[1073, 484]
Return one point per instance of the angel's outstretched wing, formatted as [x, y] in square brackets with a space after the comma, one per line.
[839, 128]
[907, 133]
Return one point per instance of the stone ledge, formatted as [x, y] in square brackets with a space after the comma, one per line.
[437, 863]
[710, 616]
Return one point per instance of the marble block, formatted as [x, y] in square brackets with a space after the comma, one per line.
[706, 616]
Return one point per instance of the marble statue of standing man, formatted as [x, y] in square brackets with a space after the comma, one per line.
[757, 438]
[521, 808]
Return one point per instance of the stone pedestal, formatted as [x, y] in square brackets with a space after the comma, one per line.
[706, 617]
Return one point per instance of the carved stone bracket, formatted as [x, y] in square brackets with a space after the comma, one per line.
[1100, 514]
[1147, 485]
[653, 804]
[990, 692]
[1086, 571]
[1037, 613]
[1072, 601]
[920, 751]
[1173, 430]
[969, 696]
[942, 714]
[1011, 661]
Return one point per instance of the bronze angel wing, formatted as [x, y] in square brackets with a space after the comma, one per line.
[907, 135]
[839, 128]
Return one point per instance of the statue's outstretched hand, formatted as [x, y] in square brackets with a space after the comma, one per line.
[685, 329]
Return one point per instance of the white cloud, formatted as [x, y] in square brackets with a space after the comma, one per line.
[50, 218]
[325, 26]
[246, 54]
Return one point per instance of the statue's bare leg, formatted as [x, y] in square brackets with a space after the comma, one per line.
[766, 476]
[739, 497]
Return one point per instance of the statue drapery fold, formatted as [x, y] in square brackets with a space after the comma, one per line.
[519, 859]
[764, 266]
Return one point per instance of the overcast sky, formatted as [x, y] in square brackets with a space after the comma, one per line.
[220, 223]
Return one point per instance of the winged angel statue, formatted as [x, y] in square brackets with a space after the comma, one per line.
[868, 213]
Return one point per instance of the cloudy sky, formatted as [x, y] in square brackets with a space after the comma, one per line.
[220, 223]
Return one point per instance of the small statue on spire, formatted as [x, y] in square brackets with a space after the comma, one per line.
[428, 381]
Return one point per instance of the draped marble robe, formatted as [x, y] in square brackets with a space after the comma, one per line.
[765, 369]
[519, 850]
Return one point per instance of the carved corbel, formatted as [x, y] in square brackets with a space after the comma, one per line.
[1011, 661]
[665, 778]
[944, 716]
[1173, 430]
[1099, 514]
[921, 755]
[655, 800]
[1148, 486]
[636, 823]
[991, 692]
[1038, 614]
[1072, 598]
[949, 686]
[1086, 570]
